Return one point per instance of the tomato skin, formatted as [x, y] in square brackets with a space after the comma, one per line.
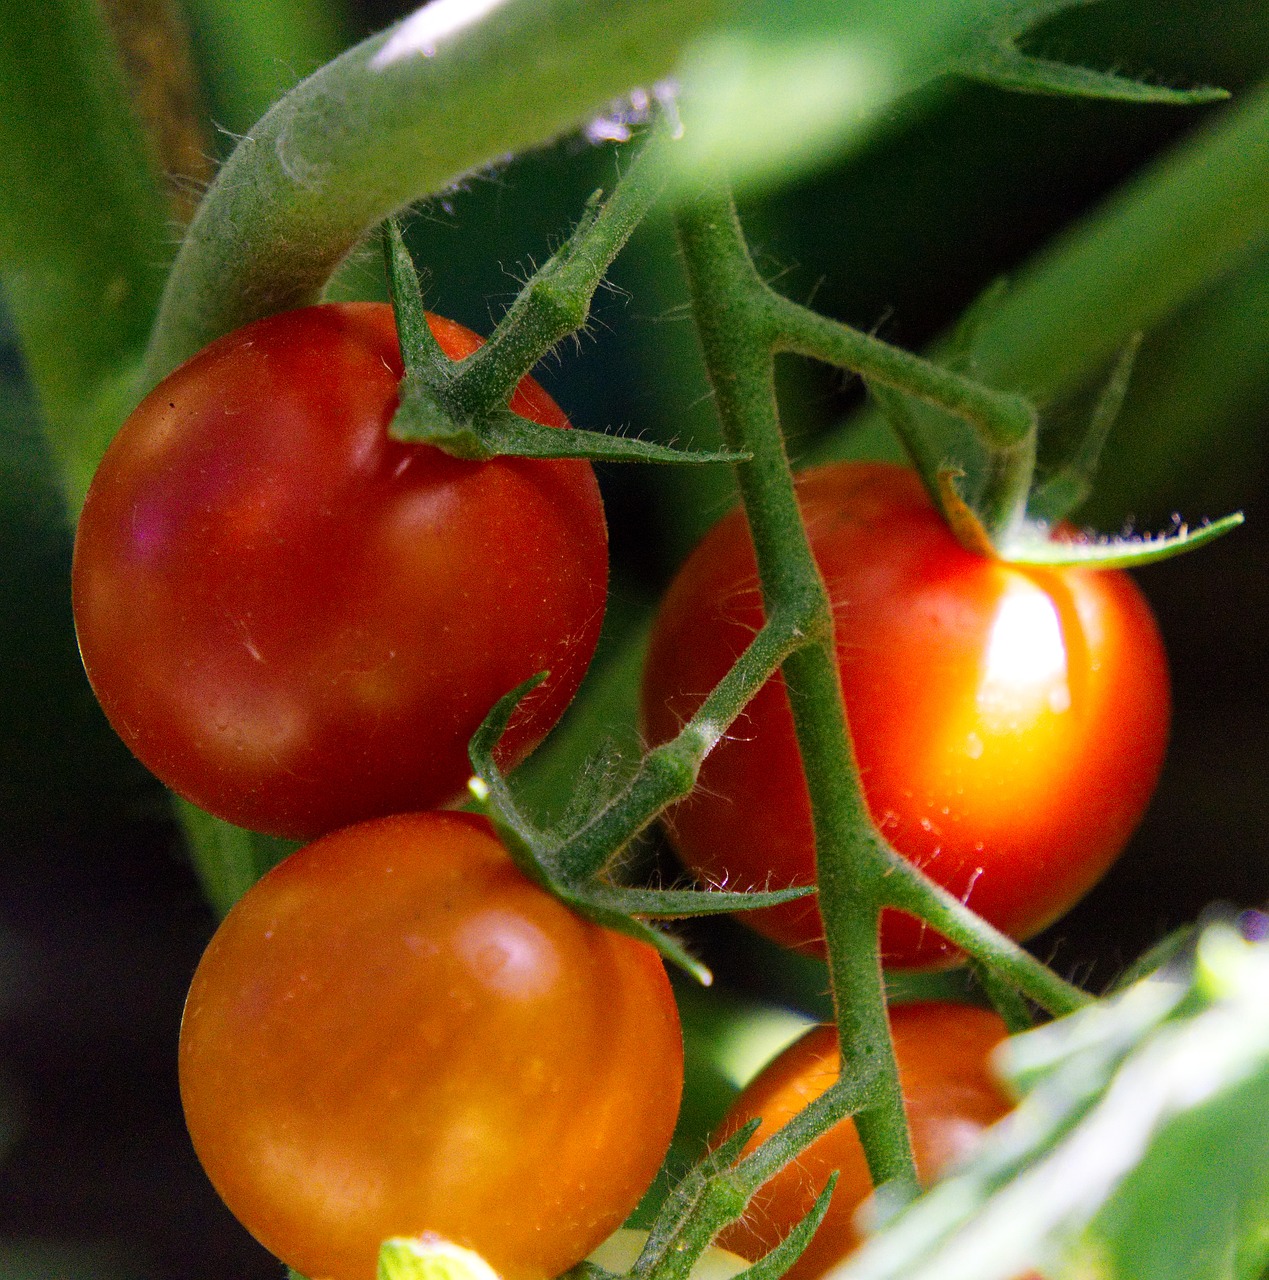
[396, 1032]
[297, 622]
[1009, 722]
[950, 1097]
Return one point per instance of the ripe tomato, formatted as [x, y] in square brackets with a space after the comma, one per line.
[950, 1097]
[1009, 722]
[395, 1032]
[298, 622]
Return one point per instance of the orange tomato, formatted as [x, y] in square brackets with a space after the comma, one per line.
[395, 1032]
[950, 1096]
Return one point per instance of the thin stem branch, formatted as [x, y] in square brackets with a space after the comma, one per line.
[909, 889]
[729, 302]
[556, 301]
[1005, 424]
[1003, 419]
[668, 772]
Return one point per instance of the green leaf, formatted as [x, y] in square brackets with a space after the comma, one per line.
[1005, 67]
[228, 859]
[793, 84]
[1140, 1151]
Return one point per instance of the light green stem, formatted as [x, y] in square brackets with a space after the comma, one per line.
[401, 116]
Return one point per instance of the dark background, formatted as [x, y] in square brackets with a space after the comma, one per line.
[101, 921]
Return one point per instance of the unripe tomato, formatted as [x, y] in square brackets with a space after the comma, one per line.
[949, 1094]
[1009, 722]
[395, 1032]
[298, 622]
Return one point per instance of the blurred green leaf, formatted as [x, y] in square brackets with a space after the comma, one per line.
[84, 231]
[253, 53]
[1160, 243]
[794, 83]
[1140, 1152]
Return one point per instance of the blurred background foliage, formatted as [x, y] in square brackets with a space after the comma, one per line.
[101, 920]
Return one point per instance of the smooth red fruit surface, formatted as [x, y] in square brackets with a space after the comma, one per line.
[1009, 722]
[298, 622]
[395, 1032]
[950, 1097]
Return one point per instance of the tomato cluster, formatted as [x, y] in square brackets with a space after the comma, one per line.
[298, 622]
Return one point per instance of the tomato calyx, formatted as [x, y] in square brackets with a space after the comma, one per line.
[1048, 544]
[573, 862]
[999, 505]
[462, 407]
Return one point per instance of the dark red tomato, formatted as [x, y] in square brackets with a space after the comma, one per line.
[395, 1032]
[950, 1096]
[1009, 722]
[298, 622]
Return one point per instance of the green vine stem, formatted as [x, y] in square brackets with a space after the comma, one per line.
[736, 333]
[1005, 424]
[742, 325]
[399, 116]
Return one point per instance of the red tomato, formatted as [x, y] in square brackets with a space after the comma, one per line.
[1009, 722]
[298, 622]
[950, 1096]
[395, 1032]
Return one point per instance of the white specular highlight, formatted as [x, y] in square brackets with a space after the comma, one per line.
[423, 30]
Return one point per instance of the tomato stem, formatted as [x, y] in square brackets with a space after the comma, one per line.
[555, 302]
[734, 319]
[462, 406]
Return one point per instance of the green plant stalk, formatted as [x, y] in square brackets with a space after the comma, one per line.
[736, 333]
[387, 123]
[84, 226]
[556, 302]
[1159, 241]
[668, 772]
[1005, 424]
[909, 889]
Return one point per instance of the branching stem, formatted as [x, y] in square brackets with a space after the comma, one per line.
[736, 333]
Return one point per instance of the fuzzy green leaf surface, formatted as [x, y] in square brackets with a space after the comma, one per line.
[1119, 1162]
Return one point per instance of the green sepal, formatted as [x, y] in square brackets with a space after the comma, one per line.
[791, 1248]
[1032, 546]
[543, 856]
[1005, 67]
[1069, 484]
[422, 418]
[421, 354]
[675, 904]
